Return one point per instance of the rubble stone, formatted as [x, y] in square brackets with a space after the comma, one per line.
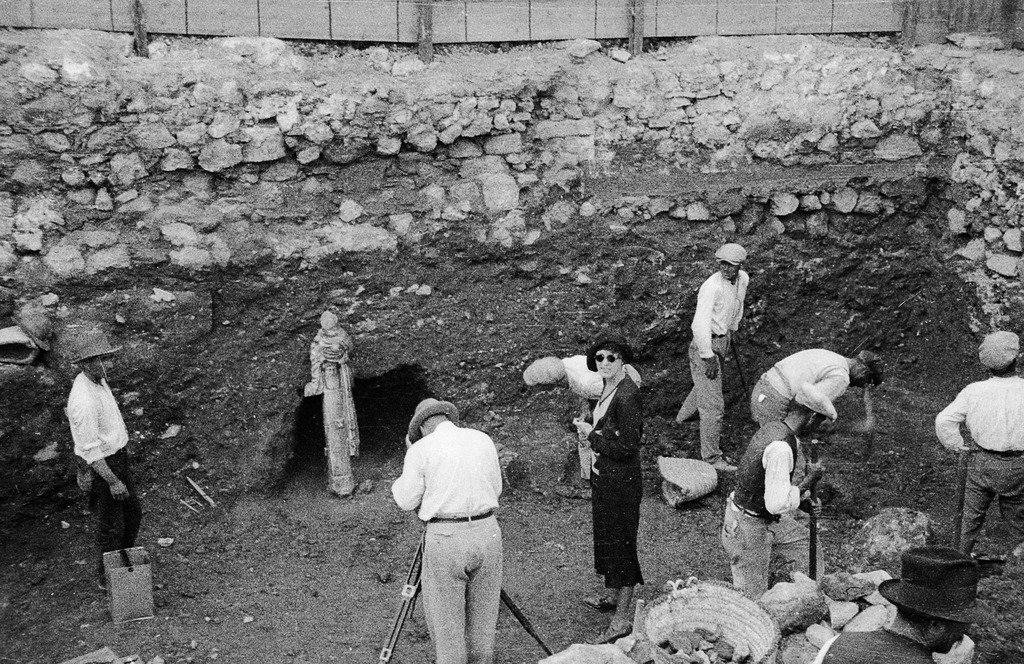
[883, 538]
[784, 204]
[500, 192]
[896, 147]
[65, 260]
[219, 154]
[871, 619]
[795, 606]
[154, 136]
[265, 144]
[1002, 264]
[840, 613]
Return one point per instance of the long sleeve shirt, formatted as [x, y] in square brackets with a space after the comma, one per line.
[719, 309]
[994, 412]
[97, 427]
[828, 371]
[780, 496]
[453, 471]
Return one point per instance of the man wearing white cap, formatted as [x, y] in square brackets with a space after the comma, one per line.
[718, 314]
[758, 522]
[452, 478]
[100, 438]
[993, 410]
[830, 372]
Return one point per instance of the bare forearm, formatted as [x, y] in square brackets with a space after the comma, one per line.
[104, 471]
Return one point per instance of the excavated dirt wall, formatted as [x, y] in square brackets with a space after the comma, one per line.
[204, 205]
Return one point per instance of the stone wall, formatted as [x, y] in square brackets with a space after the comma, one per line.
[235, 151]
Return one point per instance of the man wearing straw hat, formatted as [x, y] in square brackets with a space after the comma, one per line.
[451, 476]
[935, 602]
[993, 411]
[758, 522]
[718, 314]
[100, 438]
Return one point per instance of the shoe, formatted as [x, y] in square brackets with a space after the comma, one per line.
[614, 632]
[600, 602]
[723, 466]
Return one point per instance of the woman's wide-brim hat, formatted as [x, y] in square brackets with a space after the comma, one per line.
[936, 581]
[612, 342]
[92, 344]
[429, 408]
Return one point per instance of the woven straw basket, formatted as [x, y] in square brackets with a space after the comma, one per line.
[711, 605]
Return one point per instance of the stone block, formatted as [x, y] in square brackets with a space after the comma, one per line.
[1003, 264]
[500, 192]
[1012, 240]
[406, 66]
[957, 221]
[345, 238]
[818, 635]
[845, 587]
[108, 259]
[103, 200]
[400, 224]
[784, 203]
[844, 200]
[349, 210]
[192, 258]
[422, 138]
[389, 145]
[265, 144]
[152, 136]
[973, 250]
[795, 606]
[897, 147]
[317, 132]
[180, 234]
[223, 124]
[126, 169]
[40, 74]
[503, 144]
[176, 159]
[865, 129]
[840, 613]
[870, 619]
[581, 48]
[65, 261]
[218, 155]
[698, 211]
[464, 148]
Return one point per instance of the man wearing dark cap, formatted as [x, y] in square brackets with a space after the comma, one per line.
[101, 437]
[830, 372]
[758, 523]
[935, 601]
[452, 478]
[993, 411]
[718, 314]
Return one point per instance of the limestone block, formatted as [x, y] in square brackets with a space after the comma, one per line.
[865, 129]
[506, 230]
[72, 177]
[137, 205]
[31, 174]
[619, 55]
[1003, 264]
[1012, 240]
[795, 606]
[98, 239]
[464, 148]
[265, 144]
[885, 536]
[992, 234]
[180, 234]
[389, 145]
[108, 259]
[29, 241]
[973, 250]
[829, 143]
[957, 221]
[840, 613]
[287, 117]
[41, 213]
[869, 203]
[771, 77]
[817, 223]
[548, 129]
[870, 619]
[126, 169]
[466, 193]
[223, 124]
[504, 144]
[192, 258]
[344, 238]
[500, 191]
[219, 249]
[349, 210]
[33, 72]
[192, 134]
[422, 138]
[433, 195]
[784, 203]
[582, 653]
[8, 259]
[152, 136]
[406, 66]
[308, 155]
[897, 147]
[65, 260]
[981, 144]
[55, 142]
[78, 71]
[581, 48]
[818, 635]
[810, 202]
[176, 159]
[588, 209]
[698, 211]
[875, 577]
[317, 132]
[219, 154]
[796, 649]
[480, 166]
[450, 133]
[400, 224]
[103, 200]
[876, 599]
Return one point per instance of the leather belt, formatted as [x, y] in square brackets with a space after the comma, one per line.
[770, 519]
[462, 519]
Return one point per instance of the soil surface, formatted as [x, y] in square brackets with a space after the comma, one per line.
[295, 575]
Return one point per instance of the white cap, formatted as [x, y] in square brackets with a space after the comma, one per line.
[731, 253]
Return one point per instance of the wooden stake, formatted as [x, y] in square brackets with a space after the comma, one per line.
[636, 27]
[425, 35]
[1008, 21]
[141, 35]
[200, 491]
[908, 25]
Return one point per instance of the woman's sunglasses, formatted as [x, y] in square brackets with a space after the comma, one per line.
[601, 357]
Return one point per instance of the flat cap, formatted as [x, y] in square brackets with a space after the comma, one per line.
[731, 253]
[999, 349]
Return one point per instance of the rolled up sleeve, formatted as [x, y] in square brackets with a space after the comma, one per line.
[780, 496]
[701, 326]
[85, 432]
[408, 489]
[948, 421]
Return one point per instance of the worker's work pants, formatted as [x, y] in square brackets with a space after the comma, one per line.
[706, 400]
[462, 589]
[767, 405]
[117, 521]
[751, 542]
[990, 476]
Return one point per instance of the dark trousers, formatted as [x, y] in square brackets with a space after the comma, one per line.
[117, 521]
[989, 477]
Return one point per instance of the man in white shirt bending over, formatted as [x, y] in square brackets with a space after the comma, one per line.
[993, 410]
[452, 477]
[100, 437]
[758, 521]
[718, 314]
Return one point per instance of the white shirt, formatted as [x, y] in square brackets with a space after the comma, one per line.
[454, 471]
[96, 424]
[779, 495]
[994, 412]
[586, 383]
[828, 371]
[719, 309]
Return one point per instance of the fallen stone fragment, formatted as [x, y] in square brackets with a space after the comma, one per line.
[784, 203]
[897, 147]
[1002, 264]
[619, 55]
[957, 221]
[840, 613]
[882, 539]
[172, 431]
[870, 619]
[581, 48]
[844, 200]
[160, 295]
[165, 541]
[349, 210]
[102, 656]
[973, 250]
[795, 606]
[48, 453]
[1012, 239]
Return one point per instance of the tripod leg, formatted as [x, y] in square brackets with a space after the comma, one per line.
[410, 591]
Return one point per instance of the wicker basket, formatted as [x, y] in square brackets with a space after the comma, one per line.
[710, 605]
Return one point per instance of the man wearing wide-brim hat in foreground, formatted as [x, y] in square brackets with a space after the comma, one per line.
[758, 522]
[100, 438]
[451, 476]
[935, 600]
[993, 411]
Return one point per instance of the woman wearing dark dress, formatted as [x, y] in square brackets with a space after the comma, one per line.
[614, 432]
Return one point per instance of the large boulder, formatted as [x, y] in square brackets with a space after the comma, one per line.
[885, 536]
[795, 606]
